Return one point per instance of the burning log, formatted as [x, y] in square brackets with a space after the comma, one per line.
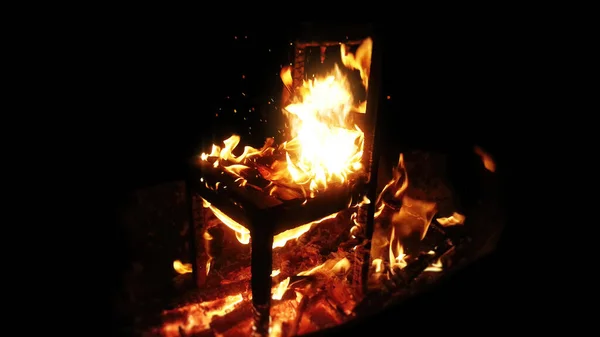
[319, 314]
[340, 295]
[221, 324]
[311, 248]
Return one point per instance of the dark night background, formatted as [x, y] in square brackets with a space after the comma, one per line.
[449, 89]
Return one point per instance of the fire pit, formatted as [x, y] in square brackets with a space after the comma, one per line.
[296, 237]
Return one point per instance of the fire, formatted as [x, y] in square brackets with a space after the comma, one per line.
[453, 220]
[182, 268]
[243, 234]
[488, 162]
[199, 316]
[326, 146]
[436, 266]
[280, 289]
[408, 220]
[361, 61]
[397, 256]
[329, 267]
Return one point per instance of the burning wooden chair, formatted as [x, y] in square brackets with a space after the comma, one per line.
[241, 195]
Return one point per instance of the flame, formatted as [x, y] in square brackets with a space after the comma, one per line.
[326, 146]
[182, 268]
[241, 232]
[378, 264]
[279, 290]
[286, 77]
[488, 162]
[396, 187]
[279, 240]
[453, 220]
[436, 266]
[332, 265]
[199, 316]
[361, 61]
[397, 256]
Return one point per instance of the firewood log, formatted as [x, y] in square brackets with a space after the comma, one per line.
[220, 324]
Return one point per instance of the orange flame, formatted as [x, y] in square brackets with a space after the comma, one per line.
[453, 220]
[243, 234]
[199, 316]
[326, 146]
[437, 266]
[280, 289]
[488, 162]
[182, 268]
[361, 61]
[397, 256]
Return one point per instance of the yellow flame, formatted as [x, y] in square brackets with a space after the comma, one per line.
[286, 77]
[453, 220]
[435, 266]
[182, 268]
[243, 234]
[326, 145]
[378, 264]
[280, 289]
[360, 61]
[397, 256]
[199, 316]
[332, 265]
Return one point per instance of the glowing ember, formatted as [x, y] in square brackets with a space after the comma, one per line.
[198, 316]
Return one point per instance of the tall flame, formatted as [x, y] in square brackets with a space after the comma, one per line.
[326, 145]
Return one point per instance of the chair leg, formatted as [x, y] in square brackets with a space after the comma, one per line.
[262, 263]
